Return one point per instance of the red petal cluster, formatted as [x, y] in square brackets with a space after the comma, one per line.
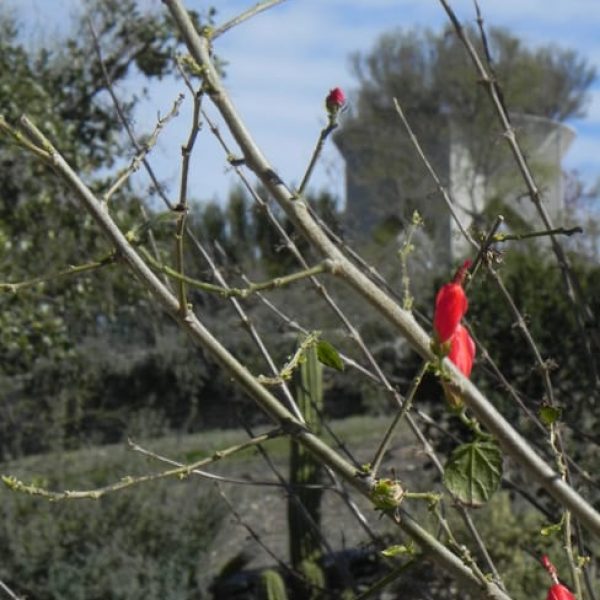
[335, 100]
[451, 304]
[462, 350]
[559, 592]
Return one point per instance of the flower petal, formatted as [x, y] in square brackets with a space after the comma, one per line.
[462, 350]
[451, 304]
[559, 592]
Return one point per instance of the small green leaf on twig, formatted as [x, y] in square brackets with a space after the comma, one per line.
[551, 530]
[399, 550]
[329, 356]
[473, 472]
[549, 414]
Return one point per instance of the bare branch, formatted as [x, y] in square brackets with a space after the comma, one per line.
[248, 14]
[129, 481]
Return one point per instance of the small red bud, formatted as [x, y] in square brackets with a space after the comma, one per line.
[335, 100]
[547, 564]
[461, 272]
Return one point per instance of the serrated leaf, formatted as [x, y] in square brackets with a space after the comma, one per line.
[549, 414]
[397, 550]
[329, 356]
[473, 472]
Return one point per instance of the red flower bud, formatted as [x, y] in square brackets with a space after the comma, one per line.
[559, 592]
[547, 564]
[462, 350]
[335, 100]
[451, 304]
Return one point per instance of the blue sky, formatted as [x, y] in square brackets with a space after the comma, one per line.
[283, 62]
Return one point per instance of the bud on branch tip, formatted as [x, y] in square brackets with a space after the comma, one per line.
[335, 101]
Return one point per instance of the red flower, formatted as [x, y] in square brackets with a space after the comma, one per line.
[451, 304]
[559, 592]
[462, 350]
[335, 100]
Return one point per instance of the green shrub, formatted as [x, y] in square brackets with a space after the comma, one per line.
[145, 543]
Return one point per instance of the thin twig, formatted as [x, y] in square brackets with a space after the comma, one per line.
[447, 199]
[248, 14]
[220, 478]
[132, 138]
[254, 535]
[182, 207]
[257, 538]
[228, 292]
[325, 133]
[70, 271]
[406, 405]
[505, 237]
[138, 159]
[129, 481]
[124, 121]
[390, 577]
[582, 310]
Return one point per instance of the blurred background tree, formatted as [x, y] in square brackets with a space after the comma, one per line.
[434, 82]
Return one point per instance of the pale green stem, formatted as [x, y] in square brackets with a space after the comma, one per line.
[179, 263]
[408, 399]
[130, 481]
[315, 156]
[506, 237]
[555, 444]
[382, 583]
[228, 292]
[247, 14]
[70, 271]
[182, 207]
[20, 140]
[139, 158]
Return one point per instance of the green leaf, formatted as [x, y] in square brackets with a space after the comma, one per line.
[398, 550]
[329, 356]
[473, 472]
[549, 414]
[553, 529]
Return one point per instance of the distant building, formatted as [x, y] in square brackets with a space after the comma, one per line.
[373, 201]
